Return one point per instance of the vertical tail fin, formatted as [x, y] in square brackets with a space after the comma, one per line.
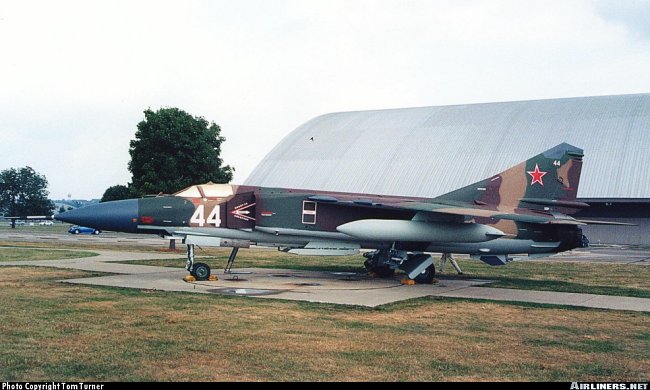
[549, 179]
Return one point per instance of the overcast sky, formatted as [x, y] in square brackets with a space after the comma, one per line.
[75, 76]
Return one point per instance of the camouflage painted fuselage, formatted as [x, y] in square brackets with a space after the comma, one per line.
[519, 211]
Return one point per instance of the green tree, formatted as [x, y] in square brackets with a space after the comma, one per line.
[173, 150]
[117, 192]
[24, 192]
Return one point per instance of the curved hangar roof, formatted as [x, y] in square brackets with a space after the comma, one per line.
[429, 151]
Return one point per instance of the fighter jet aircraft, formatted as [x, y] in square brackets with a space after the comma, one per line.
[521, 211]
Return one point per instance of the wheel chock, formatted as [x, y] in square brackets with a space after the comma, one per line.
[213, 278]
[189, 279]
[372, 275]
[408, 282]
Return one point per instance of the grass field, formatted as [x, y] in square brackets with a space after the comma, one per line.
[36, 228]
[29, 254]
[90, 245]
[54, 331]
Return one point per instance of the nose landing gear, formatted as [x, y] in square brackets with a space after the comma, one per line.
[202, 271]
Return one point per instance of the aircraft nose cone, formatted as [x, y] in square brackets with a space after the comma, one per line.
[118, 216]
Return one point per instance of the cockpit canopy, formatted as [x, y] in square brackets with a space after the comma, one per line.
[207, 191]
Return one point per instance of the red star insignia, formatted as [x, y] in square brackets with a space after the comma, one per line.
[537, 175]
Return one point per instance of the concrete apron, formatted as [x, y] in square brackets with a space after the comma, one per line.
[311, 286]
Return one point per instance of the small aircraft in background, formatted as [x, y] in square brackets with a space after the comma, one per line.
[524, 210]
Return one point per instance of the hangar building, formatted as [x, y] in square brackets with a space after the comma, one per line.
[428, 151]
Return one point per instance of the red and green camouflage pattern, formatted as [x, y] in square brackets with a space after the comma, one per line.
[528, 204]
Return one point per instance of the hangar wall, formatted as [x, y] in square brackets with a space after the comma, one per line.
[635, 211]
[428, 151]
[631, 235]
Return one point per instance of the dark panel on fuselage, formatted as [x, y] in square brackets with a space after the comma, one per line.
[241, 211]
[164, 211]
[279, 210]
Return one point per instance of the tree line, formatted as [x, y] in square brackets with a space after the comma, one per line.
[171, 150]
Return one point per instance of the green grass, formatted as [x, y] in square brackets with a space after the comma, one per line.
[98, 245]
[29, 254]
[263, 258]
[36, 228]
[576, 277]
[55, 331]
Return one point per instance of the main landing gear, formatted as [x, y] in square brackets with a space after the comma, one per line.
[383, 263]
[201, 271]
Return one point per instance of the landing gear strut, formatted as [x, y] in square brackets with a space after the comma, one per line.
[231, 260]
[190, 258]
[200, 271]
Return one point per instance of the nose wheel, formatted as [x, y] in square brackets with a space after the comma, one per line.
[201, 271]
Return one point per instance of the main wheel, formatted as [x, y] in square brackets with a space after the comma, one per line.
[77, 231]
[96, 232]
[201, 271]
[383, 271]
[426, 276]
